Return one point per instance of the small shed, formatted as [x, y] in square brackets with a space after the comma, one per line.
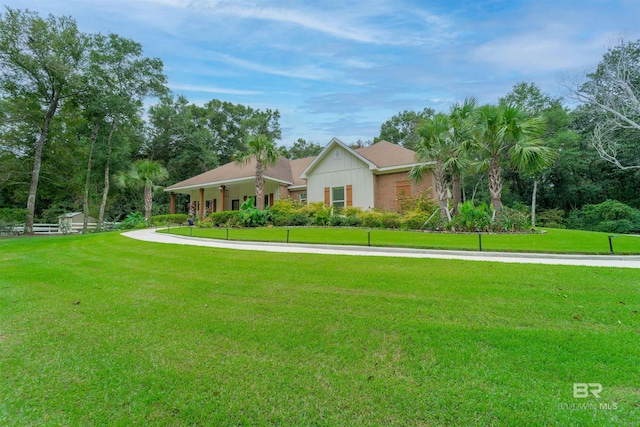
[73, 218]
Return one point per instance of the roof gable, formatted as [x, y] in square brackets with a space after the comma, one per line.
[325, 151]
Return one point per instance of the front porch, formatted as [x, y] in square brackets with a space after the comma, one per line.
[225, 196]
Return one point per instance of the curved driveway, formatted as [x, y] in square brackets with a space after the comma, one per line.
[150, 235]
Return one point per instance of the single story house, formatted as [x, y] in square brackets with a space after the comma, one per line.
[369, 177]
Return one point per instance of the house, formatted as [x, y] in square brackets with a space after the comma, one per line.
[74, 218]
[369, 177]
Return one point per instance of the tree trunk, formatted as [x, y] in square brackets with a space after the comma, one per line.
[85, 201]
[533, 202]
[495, 186]
[259, 185]
[37, 164]
[148, 200]
[441, 189]
[456, 187]
[105, 191]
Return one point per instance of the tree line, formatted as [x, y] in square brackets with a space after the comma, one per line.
[72, 123]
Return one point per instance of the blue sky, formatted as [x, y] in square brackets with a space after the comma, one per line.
[342, 68]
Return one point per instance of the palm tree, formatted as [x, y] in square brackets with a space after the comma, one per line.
[434, 150]
[265, 153]
[143, 174]
[461, 117]
[506, 131]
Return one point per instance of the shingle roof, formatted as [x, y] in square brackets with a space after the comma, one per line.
[382, 154]
[236, 171]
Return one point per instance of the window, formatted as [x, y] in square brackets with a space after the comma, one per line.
[235, 205]
[303, 197]
[266, 200]
[337, 197]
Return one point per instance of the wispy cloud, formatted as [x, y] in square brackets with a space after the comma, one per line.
[307, 72]
[211, 89]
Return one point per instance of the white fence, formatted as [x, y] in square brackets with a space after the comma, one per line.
[75, 227]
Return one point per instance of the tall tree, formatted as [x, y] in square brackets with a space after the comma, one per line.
[264, 151]
[144, 174]
[120, 78]
[533, 102]
[303, 148]
[402, 129]
[461, 120]
[42, 61]
[505, 131]
[613, 90]
[434, 151]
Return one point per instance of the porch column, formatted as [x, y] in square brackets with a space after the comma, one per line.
[222, 201]
[201, 210]
[172, 204]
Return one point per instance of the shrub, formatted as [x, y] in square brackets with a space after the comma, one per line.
[390, 220]
[472, 218]
[133, 221]
[511, 220]
[414, 220]
[371, 219]
[169, 218]
[224, 218]
[13, 215]
[552, 218]
[604, 216]
[419, 203]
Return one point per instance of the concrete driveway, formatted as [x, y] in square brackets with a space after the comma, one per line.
[150, 235]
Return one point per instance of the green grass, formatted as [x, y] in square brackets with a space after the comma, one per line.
[184, 335]
[552, 241]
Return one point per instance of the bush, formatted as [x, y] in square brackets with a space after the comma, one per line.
[224, 218]
[390, 220]
[168, 219]
[472, 218]
[511, 220]
[13, 215]
[371, 219]
[552, 218]
[419, 203]
[605, 217]
[414, 220]
[133, 221]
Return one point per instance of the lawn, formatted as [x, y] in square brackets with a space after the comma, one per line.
[550, 241]
[105, 330]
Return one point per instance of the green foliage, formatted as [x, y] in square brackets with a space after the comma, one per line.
[224, 218]
[511, 220]
[422, 202]
[414, 220]
[133, 221]
[250, 216]
[472, 218]
[551, 218]
[609, 216]
[168, 219]
[401, 129]
[13, 215]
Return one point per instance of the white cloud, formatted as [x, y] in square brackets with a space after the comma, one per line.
[308, 73]
[210, 89]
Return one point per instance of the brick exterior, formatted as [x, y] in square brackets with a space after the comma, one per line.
[284, 192]
[295, 194]
[384, 189]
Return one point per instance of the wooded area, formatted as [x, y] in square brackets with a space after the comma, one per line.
[72, 119]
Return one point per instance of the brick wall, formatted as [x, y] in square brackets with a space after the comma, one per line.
[384, 189]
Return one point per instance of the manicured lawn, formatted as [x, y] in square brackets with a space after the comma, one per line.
[553, 241]
[105, 330]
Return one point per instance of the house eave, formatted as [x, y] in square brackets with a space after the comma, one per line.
[224, 182]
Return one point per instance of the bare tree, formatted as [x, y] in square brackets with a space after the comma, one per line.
[613, 90]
